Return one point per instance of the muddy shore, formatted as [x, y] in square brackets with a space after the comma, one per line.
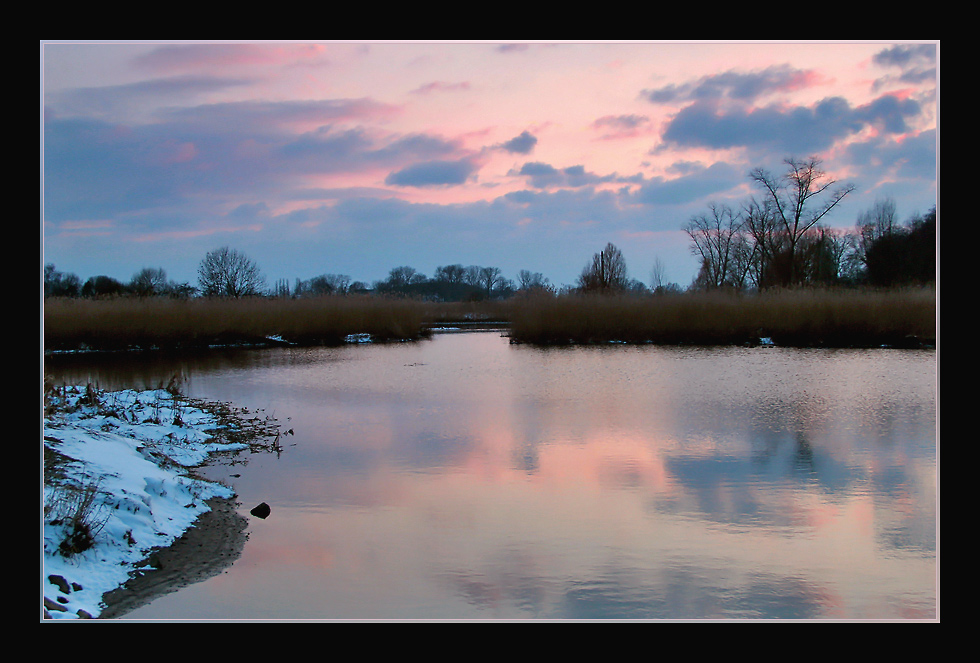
[205, 550]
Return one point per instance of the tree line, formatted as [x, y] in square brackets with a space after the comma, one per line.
[455, 282]
[148, 282]
[228, 273]
[780, 239]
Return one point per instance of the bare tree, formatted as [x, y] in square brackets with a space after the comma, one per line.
[875, 223]
[102, 286]
[324, 284]
[471, 275]
[402, 276]
[59, 284]
[330, 284]
[839, 246]
[281, 289]
[225, 272]
[716, 240]
[149, 281]
[450, 274]
[490, 277]
[399, 278]
[799, 199]
[528, 280]
[658, 275]
[606, 273]
[759, 230]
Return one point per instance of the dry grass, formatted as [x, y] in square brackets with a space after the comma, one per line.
[838, 318]
[160, 323]
[78, 510]
[844, 318]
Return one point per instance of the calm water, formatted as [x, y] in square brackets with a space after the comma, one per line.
[464, 477]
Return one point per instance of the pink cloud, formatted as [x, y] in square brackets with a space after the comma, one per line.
[199, 232]
[181, 153]
[439, 86]
[622, 126]
[182, 57]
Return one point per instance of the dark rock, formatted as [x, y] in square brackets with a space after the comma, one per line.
[51, 605]
[60, 583]
[261, 511]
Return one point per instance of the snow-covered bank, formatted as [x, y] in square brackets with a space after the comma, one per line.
[118, 484]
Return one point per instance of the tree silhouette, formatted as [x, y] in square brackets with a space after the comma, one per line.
[149, 281]
[798, 199]
[607, 272]
[225, 272]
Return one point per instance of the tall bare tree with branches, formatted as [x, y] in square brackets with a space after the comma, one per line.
[716, 240]
[799, 199]
[225, 272]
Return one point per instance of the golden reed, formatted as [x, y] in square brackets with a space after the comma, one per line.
[806, 317]
[833, 318]
[121, 323]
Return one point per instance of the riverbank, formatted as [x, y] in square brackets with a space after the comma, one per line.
[125, 517]
[802, 318]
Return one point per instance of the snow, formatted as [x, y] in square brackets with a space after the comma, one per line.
[135, 448]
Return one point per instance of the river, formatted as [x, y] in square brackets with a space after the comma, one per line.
[463, 477]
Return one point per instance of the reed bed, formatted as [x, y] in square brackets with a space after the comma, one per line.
[126, 323]
[831, 318]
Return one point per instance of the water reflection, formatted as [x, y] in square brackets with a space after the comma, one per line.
[463, 477]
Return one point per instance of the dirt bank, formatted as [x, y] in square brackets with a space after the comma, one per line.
[206, 549]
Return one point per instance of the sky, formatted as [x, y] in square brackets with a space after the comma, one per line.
[355, 157]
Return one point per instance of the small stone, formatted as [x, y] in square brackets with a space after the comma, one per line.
[51, 605]
[261, 511]
[60, 583]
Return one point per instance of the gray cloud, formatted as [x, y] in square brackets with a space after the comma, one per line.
[118, 101]
[905, 55]
[542, 176]
[273, 116]
[916, 62]
[914, 158]
[433, 173]
[740, 86]
[621, 126]
[696, 184]
[94, 168]
[796, 129]
[521, 144]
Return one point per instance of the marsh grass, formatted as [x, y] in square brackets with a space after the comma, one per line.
[832, 318]
[810, 317]
[126, 323]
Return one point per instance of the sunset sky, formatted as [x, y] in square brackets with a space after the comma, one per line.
[357, 157]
